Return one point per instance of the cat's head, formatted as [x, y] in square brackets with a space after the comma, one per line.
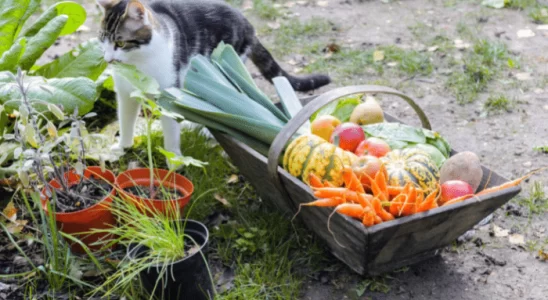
[127, 26]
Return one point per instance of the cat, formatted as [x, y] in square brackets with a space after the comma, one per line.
[160, 37]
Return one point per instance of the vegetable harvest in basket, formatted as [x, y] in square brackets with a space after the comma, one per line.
[348, 154]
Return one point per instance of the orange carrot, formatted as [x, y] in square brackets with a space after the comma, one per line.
[315, 181]
[351, 181]
[383, 214]
[351, 210]
[458, 199]
[328, 184]
[430, 202]
[396, 205]
[325, 202]
[409, 206]
[509, 184]
[330, 192]
[364, 199]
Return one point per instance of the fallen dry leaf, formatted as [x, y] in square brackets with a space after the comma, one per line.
[542, 27]
[516, 239]
[378, 55]
[273, 25]
[460, 44]
[392, 64]
[16, 227]
[333, 47]
[525, 33]
[543, 255]
[322, 3]
[10, 211]
[523, 76]
[499, 232]
[222, 200]
[232, 179]
[433, 48]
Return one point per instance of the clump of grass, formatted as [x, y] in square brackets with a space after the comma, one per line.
[478, 68]
[294, 34]
[348, 63]
[374, 284]
[265, 9]
[499, 103]
[537, 202]
[543, 149]
[536, 11]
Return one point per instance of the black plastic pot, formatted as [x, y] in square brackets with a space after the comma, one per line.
[187, 278]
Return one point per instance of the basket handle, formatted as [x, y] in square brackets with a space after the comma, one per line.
[278, 145]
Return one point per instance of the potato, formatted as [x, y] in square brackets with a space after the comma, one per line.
[463, 166]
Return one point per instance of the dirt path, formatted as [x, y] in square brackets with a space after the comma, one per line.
[486, 265]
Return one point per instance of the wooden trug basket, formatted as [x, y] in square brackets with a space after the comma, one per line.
[367, 250]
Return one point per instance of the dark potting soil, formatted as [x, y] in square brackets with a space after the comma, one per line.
[81, 196]
[165, 193]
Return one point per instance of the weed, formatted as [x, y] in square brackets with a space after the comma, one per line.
[543, 149]
[265, 9]
[478, 68]
[294, 34]
[348, 63]
[539, 14]
[536, 11]
[537, 202]
[375, 284]
[499, 103]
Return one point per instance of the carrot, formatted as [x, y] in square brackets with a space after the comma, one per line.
[330, 192]
[430, 202]
[381, 179]
[364, 199]
[351, 209]
[325, 202]
[409, 206]
[376, 189]
[351, 181]
[383, 214]
[326, 183]
[459, 199]
[396, 205]
[315, 181]
[369, 217]
[396, 190]
[509, 184]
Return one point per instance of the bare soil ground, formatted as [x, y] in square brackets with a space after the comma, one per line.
[485, 263]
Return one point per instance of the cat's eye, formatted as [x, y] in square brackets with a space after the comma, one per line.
[120, 44]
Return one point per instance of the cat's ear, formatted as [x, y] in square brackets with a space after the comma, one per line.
[136, 10]
[107, 4]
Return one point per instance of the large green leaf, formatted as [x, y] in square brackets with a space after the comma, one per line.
[10, 58]
[139, 80]
[396, 131]
[13, 14]
[341, 109]
[84, 61]
[75, 12]
[69, 93]
[39, 43]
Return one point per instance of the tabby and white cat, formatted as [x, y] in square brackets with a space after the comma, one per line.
[160, 37]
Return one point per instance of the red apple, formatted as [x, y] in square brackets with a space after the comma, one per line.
[347, 136]
[366, 165]
[452, 189]
[373, 146]
[323, 126]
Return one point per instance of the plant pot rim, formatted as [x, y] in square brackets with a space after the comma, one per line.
[104, 201]
[187, 192]
[130, 252]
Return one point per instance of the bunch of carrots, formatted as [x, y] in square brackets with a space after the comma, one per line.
[379, 202]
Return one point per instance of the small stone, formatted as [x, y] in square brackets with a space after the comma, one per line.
[525, 33]
[527, 164]
[545, 107]
[517, 239]
[499, 231]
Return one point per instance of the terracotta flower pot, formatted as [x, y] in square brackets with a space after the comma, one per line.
[141, 177]
[97, 216]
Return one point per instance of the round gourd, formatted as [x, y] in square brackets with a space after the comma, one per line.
[311, 154]
[411, 165]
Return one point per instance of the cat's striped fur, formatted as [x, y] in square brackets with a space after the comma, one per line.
[160, 37]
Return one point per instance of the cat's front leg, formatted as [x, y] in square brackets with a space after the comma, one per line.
[172, 135]
[128, 110]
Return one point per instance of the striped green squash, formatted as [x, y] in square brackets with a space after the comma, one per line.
[411, 165]
[312, 154]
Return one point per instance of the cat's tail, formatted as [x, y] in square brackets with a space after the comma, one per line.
[270, 69]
